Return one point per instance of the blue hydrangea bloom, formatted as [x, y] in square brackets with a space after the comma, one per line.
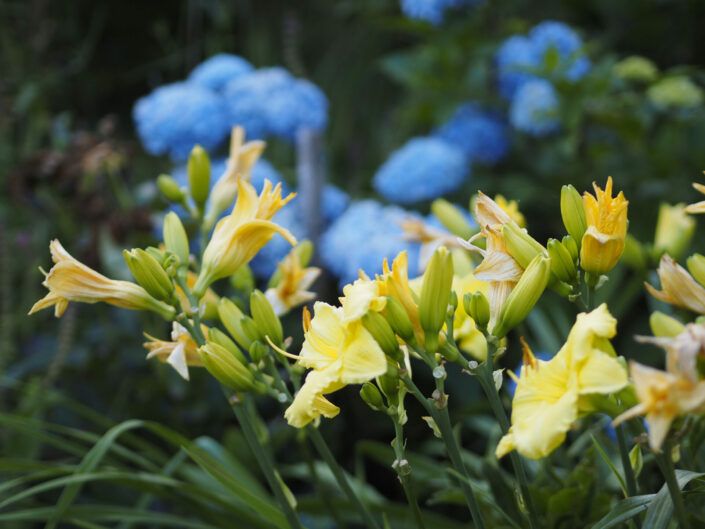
[175, 117]
[271, 102]
[567, 43]
[333, 202]
[514, 59]
[481, 135]
[423, 169]
[214, 73]
[432, 10]
[534, 109]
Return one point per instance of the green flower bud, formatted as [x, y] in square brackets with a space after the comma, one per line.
[448, 351]
[251, 329]
[572, 247]
[263, 314]
[199, 175]
[435, 295]
[636, 68]
[573, 213]
[231, 316]
[158, 255]
[243, 280]
[170, 189]
[452, 218]
[562, 264]
[674, 230]
[678, 92]
[664, 326]
[228, 370]
[524, 296]
[478, 308]
[149, 274]
[175, 238]
[398, 319]
[372, 397]
[215, 335]
[634, 255]
[520, 245]
[382, 332]
[258, 351]
[303, 251]
[696, 267]
[453, 301]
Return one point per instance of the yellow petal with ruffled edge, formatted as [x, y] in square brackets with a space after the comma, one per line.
[324, 338]
[362, 357]
[359, 297]
[309, 403]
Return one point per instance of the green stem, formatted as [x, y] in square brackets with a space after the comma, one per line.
[442, 420]
[665, 461]
[398, 445]
[629, 477]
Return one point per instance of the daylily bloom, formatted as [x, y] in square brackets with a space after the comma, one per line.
[678, 287]
[511, 208]
[339, 353]
[416, 230]
[359, 297]
[394, 282]
[698, 207]
[603, 242]
[71, 280]
[179, 353]
[291, 291]
[465, 332]
[239, 236]
[549, 394]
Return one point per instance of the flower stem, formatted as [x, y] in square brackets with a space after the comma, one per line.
[398, 445]
[629, 477]
[665, 461]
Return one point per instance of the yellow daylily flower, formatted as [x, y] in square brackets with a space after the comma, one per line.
[71, 280]
[339, 352]
[239, 236]
[549, 394]
[394, 282]
[698, 207]
[291, 291]
[603, 242]
[180, 352]
[511, 208]
[678, 287]
[468, 337]
[359, 297]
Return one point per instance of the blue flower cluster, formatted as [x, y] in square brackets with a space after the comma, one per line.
[423, 169]
[224, 91]
[534, 109]
[432, 10]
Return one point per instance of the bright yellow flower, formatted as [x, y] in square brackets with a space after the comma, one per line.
[511, 208]
[359, 297]
[239, 236]
[394, 282]
[548, 396]
[179, 353]
[339, 353]
[466, 334]
[678, 287]
[71, 280]
[698, 207]
[291, 291]
[603, 242]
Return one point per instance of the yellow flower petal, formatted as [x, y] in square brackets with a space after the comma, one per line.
[309, 402]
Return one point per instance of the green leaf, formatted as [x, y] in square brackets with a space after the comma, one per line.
[660, 511]
[624, 510]
[611, 465]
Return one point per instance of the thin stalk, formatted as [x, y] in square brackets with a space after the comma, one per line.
[665, 462]
[442, 420]
[629, 477]
[341, 478]
[398, 445]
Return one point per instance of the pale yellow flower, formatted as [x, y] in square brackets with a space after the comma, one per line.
[180, 352]
[394, 282]
[511, 208]
[71, 280]
[698, 207]
[430, 238]
[468, 337]
[292, 289]
[359, 297]
[678, 287]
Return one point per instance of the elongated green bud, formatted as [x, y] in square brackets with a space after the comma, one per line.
[265, 319]
[674, 230]
[382, 332]
[664, 326]
[520, 245]
[175, 238]
[199, 175]
[228, 370]
[158, 255]
[572, 247]
[452, 218]
[696, 267]
[258, 351]
[215, 335]
[389, 385]
[562, 264]
[149, 274]
[435, 295]
[231, 317]
[573, 213]
[524, 296]
[372, 397]
[243, 280]
[251, 329]
[398, 319]
[303, 252]
[170, 189]
[478, 308]
[448, 351]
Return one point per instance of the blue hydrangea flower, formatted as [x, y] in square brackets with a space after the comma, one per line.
[515, 59]
[214, 73]
[423, 169]
[534, 109]
[566, 42]
[432, 10]
[333, 202]
[175, 117]
[271, 102]
[481, 135]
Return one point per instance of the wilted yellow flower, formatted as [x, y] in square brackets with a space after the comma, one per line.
[511, 208]
[291, 291]
[239, 236]
[698, 207]
[465, 332]
[394, 282]
[603, 242]
[71, 280]
[179, 353]
[547, 400]
[339, 353]
[678, 287]
[430, 238]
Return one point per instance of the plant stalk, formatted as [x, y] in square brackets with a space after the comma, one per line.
[665, 461]
[398, 445]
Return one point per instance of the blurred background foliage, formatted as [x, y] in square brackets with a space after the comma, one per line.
[72, 167]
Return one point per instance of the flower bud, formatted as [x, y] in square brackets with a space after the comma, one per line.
[478, 308]
[453, 302]
[398, 319]
[175, 238]
[572, 247]
[635, 255]
[520, 245]
[228, 370]
[448, 351]
[199, 175]
[251, 330]
[562, 264]
[149, 274]
[170, 189]
[231, 316]
[524, 296]
[435, 295]
[573, 213]
[243, 280]
[696, 267]
[452, 218]
[372, 397]
[158, 255]
[215, 335]
[258, 351]
[263, 314]
[665, 326]
[382, 332]
[674, 230]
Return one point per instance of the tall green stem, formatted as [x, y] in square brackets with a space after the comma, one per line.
[629, 477]
[398, 445]
[665, 462]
